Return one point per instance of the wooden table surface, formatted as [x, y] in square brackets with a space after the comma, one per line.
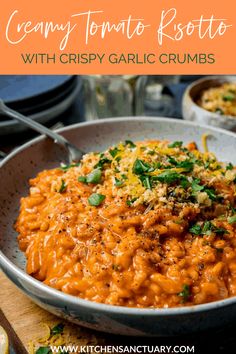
[28, 320]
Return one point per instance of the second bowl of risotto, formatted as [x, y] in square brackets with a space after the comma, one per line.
[212, 101]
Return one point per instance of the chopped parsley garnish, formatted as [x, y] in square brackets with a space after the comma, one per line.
[197, 187]
[57, 329]
[185, 293]
[146, 181]
[43, 350]
[172, 161]
[230, 166]
[130, 202]
[219, 230]
[130, 144]
[103, 161]
[229, 97]
[118, 182]
[159, 165]
[82, 179]
[96, 199]
[187, 165]
[114, 152]
[232, 219]
[211, 194]
[67, 167]
[94, 176]
[184, 183]
[207, 228]
[195, 229]
[62, 187]
[169, 177]
[151, 152]
[141, 167]
[118, 158]
[175, 144]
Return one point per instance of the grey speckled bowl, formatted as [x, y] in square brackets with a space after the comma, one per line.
[41, 153]
[193, 112]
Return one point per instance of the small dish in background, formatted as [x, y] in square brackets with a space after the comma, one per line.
[194, 112]
[40, 97]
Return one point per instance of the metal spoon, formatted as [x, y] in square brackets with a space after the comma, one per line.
[74, 154]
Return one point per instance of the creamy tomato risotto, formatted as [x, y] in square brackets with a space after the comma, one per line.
[146, 224]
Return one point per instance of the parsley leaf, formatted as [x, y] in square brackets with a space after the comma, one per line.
[130, 144]
[169, 177]
[57, 329]
[118, 182]
[82, 179]
[67, 167]
[207, 228]
[114, 152]
[62, 187]
[186, 164]
[232, 219]
[141, 167]
[185, 293]
[96, 199]
[146, 181]
[43, 350]
[103, 161]
[196, 187]
[151, 152]
[175, 144]
[124, 176]
[211, 193]
[94, 176]
[219, 230]
[130, 202]
[195, 229]
[184, 183]
[230, 166]
[229, 97]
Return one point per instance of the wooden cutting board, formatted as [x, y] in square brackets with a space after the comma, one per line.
[28, 320]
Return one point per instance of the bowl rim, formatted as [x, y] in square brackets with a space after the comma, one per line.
[8, 267]
[201, 80]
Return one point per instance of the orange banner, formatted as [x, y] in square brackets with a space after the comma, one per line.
[117, 37]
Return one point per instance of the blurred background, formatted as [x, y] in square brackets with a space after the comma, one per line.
[58, 101]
